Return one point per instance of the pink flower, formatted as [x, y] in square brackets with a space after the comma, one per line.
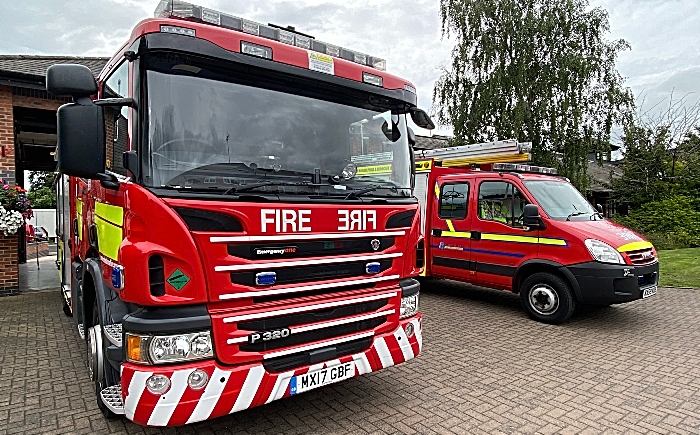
[7, 186]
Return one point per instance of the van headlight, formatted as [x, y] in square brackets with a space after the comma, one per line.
[163, 349]
[409, 306]
[601, 251]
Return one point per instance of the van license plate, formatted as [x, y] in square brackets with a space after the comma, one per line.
[649, 291]
[319, 378]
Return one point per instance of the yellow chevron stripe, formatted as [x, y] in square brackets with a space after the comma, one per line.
[449, 225]
[437, 191]
[503, 237]
[635, 246]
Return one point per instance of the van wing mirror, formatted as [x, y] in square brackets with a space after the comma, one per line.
[531, 217]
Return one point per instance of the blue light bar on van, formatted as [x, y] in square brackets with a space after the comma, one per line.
[191, 12]
[515, 167]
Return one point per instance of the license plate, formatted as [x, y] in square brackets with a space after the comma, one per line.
[319, 378]
[649, 291]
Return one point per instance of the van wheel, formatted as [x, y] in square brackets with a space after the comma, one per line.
[547, 298]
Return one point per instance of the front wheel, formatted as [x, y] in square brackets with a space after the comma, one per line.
[547, 298]
[101, 371]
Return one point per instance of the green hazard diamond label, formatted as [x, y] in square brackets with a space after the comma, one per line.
[178, 279]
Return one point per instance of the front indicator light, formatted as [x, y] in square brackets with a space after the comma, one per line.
[133, 349]
[409, 306]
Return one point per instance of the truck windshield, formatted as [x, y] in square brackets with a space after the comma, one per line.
[208, 131]
[560, 200]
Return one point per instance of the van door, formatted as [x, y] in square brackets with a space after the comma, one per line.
[499, 243]
[450, 246]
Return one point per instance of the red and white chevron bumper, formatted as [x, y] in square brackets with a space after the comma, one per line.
[232, 389]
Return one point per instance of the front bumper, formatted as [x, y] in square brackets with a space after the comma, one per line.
[604, 284]
[231, 389]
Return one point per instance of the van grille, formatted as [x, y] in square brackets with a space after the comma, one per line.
[642, 256]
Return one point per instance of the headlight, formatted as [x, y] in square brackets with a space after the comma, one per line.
[409, 306]
[162, 349]
[603, 252]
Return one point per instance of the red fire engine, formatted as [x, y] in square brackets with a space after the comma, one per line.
[518, 227]
[221, 245]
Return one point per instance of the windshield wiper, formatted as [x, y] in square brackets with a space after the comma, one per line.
[359, 193]
[244, 187]
[575, 213]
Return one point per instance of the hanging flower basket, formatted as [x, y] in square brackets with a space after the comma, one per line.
[14, 208]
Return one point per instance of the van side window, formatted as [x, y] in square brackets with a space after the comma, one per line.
[500, 201]
[453, 201]
[116, 125]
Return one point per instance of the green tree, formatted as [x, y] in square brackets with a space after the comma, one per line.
[42, 193]
[661, 155]
[533, 70]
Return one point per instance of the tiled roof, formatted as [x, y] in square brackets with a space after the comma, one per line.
[600, 176]
[431, 143]
[34, 67]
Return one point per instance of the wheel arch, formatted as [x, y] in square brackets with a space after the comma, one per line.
[533, 266]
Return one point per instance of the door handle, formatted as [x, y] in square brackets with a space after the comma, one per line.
[476, 235]
[436, 232]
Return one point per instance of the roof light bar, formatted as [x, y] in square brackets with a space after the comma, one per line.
[514, 167]
[191, 12]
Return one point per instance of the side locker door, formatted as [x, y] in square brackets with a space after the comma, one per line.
[450, 246]
[499, 242]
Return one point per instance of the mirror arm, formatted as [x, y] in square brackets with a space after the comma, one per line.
[116, 102]
[108, 181]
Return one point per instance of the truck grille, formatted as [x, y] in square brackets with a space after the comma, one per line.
[309, 273]
[642, 256]
[320, 328]
[260, 251]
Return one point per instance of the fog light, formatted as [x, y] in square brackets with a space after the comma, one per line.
[198, 379]
[409, 330]
[158, 384]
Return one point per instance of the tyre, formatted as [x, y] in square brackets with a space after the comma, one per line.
[547, 298]
[101, 371]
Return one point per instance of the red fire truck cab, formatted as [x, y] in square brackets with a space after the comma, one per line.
[519, 228]
[221, 246]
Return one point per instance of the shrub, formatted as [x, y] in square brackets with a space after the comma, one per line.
[671, 223]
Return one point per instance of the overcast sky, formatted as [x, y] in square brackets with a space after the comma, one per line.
[664, 34]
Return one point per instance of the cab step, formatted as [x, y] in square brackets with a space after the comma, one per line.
[112, 398]
[81, 331]
[113, 333]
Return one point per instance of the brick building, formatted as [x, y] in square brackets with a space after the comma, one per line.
[27, 136]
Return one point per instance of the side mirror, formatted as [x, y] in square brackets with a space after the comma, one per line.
[531, 217]
[599, 208]
[81, 140]
[422, 119]
[70, 80]
[80, 125]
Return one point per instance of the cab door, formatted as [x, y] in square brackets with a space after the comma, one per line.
[499, 242]
[450, 246]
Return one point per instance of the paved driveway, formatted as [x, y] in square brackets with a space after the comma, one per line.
[485, 368]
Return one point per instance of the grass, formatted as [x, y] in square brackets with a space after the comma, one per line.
[680, 267]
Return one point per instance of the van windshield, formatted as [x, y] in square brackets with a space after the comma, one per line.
[560, 200]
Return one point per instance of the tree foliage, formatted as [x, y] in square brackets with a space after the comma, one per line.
[661, 155]
[533, 70]
[42, 193]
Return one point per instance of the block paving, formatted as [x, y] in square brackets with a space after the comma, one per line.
[485, 369]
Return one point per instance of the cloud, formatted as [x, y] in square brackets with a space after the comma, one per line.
[664, 34]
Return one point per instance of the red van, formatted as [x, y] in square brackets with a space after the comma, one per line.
[521, 229]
